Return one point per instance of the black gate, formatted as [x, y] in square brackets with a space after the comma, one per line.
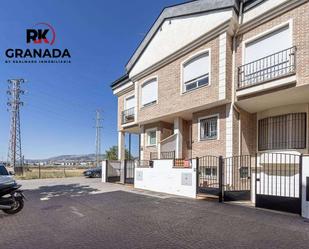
[278, 182]
[237, 178]
[113, 169]
[129, 169]
[209, 175]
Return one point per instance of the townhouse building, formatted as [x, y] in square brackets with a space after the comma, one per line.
[219, 78]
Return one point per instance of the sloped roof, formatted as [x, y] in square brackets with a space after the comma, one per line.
[189, 8]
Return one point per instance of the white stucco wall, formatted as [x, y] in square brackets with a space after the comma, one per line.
[103, 175]
[176, 33]
[305, 174]
[166, 179]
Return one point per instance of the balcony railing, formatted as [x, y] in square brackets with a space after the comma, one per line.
[167, 155]
[128, 116]
[268, 68]
[163, 155]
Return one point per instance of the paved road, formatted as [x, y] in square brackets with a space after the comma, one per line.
[84, 213]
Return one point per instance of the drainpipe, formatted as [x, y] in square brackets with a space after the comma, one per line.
[240, 20]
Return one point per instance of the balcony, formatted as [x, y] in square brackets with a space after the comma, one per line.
[128, 116]
[272, 67]
[163, 155]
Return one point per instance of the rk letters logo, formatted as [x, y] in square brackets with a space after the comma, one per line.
[38, 36]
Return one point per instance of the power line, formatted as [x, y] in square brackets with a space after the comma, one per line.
[15, 151]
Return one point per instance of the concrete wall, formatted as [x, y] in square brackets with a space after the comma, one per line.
[166, 179]
[103, 175]
[305, 187]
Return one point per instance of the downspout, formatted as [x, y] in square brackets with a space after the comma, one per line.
[240, 20]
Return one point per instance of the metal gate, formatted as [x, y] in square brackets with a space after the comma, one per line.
[237, 178]
[113, 170]
[129, 169]
[209, 175]
[278, 182]
[227, 178]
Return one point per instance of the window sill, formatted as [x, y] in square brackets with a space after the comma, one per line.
[208, 139]
[192, 90]
[151, 145]
[148, 105]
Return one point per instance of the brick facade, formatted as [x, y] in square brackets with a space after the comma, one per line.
[205, 100]
[209, 147]
[300, 26]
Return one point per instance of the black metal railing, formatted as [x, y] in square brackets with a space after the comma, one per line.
[282, 132]
[128, 116]
[278, 174]
[237, 173]
[167, 155]
[274, 66]
[144, 164]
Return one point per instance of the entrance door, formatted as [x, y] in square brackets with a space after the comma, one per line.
[237, 178]
[278, 180]
[209, 175]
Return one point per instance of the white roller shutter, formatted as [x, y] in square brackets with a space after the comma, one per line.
[269, 44]
[130, 102]
[196, 67]
[149, 92]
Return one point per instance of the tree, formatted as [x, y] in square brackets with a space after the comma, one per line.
[112, 153]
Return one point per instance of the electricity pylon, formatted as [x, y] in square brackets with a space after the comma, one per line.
[15, 156]
[98, 137]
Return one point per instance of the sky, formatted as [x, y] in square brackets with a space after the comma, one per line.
[58, 116]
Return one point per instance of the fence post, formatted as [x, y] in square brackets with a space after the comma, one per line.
[123, 166]
[197, 171]
[256, 176]
[220, 178]
[125, 171]
[300, 182]
[106, 170]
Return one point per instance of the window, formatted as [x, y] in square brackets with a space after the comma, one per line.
[282, 132]
[269, 44]
[129, 102]
[209, 128]
[149, 92]
[210, 171]
[196, 72]
[151, 137]
[244, 172]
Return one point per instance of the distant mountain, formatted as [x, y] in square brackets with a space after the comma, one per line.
[63, 158]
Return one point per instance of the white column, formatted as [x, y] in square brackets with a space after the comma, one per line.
[121, 145]
[103, 174]
[178, 129]
[229, 131]
[142, 142]
[222, 66]
[305, 187]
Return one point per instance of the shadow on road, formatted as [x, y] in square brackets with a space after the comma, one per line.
[71, 190]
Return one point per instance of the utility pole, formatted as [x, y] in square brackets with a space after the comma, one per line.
[98, 128]
[15, 156]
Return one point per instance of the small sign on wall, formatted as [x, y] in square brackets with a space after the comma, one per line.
[186, 179]
[139, 175]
